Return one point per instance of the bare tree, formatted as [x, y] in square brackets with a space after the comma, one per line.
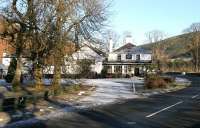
[155, 37]
[47, 26]
[74, 19]
[41, 19]
[16, 19]
[194, 43]
[126, 33]
[110, 35]
[29, 27]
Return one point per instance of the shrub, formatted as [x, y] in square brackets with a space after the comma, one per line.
[11, 70]
[85, 68]
[169, 79]
[104, 72]
[155, 81]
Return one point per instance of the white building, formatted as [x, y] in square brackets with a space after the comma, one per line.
[90, 53]
[128, 60]
[5, 64]
[86, 52]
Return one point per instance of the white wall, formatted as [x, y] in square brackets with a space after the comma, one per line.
[6, 61]
[87, 53]
[71, 66]
[145, 57]
[112, 57]
[133, 56]
[97, 67]
[123, 57]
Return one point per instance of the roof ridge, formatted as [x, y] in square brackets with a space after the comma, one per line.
[124, 46]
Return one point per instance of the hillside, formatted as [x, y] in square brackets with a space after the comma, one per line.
[175, 46]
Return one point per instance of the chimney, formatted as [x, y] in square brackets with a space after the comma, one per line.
[128, 39]
[110, 45]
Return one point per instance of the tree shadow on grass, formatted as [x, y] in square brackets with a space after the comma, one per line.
[57, 103]
[13, 112]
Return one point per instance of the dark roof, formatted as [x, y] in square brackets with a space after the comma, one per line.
[130, 48]
[125, 47]
[138, 50]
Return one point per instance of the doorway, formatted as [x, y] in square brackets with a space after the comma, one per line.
[137, 71]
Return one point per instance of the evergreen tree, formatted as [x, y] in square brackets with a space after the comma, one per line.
[11, 70]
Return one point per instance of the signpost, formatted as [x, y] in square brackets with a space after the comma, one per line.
[133, 86]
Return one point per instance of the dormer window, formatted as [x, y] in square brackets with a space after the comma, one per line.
[128, 56]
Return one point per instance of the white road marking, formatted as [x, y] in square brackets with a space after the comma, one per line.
[194, 96]
[180, 102]
[131, 123]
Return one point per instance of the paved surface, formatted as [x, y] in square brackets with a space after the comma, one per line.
[110, 91]
[179, 109]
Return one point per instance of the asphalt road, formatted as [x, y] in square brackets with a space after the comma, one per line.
[179, 109]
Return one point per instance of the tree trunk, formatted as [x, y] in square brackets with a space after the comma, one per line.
[38, 78]
[56, 87]
[17, 78]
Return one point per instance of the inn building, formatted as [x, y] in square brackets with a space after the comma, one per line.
[128, 59]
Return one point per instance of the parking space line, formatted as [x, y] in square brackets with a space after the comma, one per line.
[194, 96]
[180, 102]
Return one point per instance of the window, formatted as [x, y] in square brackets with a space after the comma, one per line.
[129, 68]
[118, 69]
[106, 59]
[109, 69]
[126, 68]
[119, 57]
[138, 57]
[128, 56]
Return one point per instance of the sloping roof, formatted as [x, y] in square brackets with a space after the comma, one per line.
[129, 48]
[125, 47]
[98, 51]
[139, 50]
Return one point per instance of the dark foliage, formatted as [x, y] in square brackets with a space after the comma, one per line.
[11, 70]
[156, 81]
[85, 68]
[104, 72]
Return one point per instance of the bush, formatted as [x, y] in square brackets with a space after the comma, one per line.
[85, 69]
[155, 81]
[104, 72]
[11, 70]
[169, 79]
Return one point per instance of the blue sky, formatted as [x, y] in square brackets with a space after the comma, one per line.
[141, 16]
